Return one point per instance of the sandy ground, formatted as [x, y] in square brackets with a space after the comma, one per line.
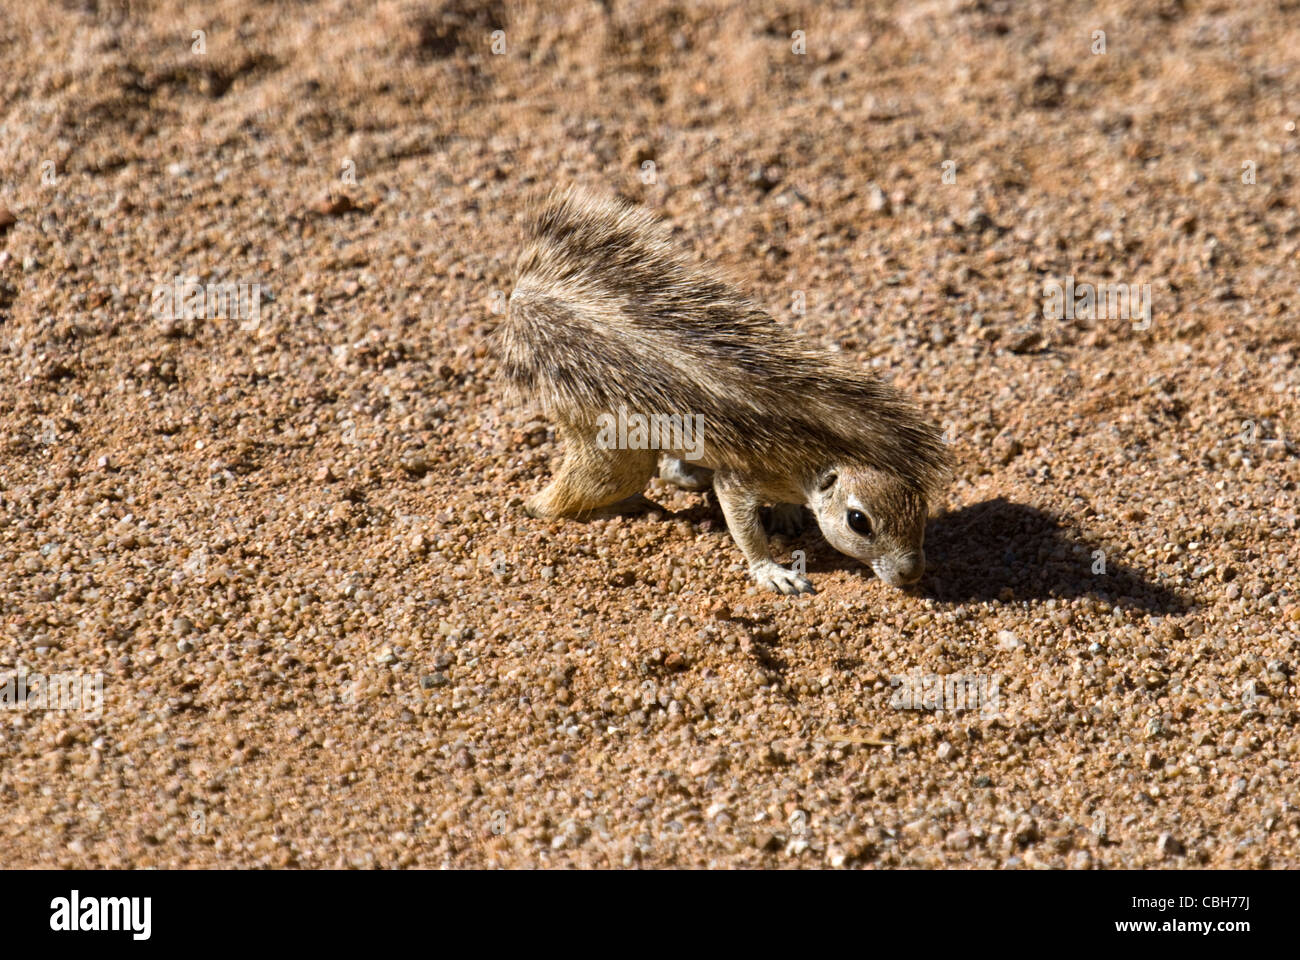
[291, 541]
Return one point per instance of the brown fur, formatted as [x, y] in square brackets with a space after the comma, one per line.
[606, 314]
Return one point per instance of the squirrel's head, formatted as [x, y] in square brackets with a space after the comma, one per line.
[874, 517]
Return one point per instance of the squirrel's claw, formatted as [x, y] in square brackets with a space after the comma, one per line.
[778, 578]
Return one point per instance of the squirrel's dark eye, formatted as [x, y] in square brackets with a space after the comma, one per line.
[859, 523]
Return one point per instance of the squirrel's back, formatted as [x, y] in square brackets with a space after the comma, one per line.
[605, 314]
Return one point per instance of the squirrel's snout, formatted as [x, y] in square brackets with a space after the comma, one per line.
[901, 572]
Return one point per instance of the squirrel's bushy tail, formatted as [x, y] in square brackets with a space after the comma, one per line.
[606, 313]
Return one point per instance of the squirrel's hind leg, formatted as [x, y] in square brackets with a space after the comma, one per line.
[684, 474]
[594, 480]
[787, 519]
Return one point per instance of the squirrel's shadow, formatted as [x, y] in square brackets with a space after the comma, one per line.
[982, 551]
[997, 550]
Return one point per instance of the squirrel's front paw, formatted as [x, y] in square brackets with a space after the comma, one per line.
[778, 578]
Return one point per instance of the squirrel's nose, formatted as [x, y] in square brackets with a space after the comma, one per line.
[910, 567]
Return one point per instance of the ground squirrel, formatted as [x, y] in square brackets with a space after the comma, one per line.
[608, 323]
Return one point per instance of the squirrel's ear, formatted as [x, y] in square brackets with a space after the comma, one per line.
[826, 480]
